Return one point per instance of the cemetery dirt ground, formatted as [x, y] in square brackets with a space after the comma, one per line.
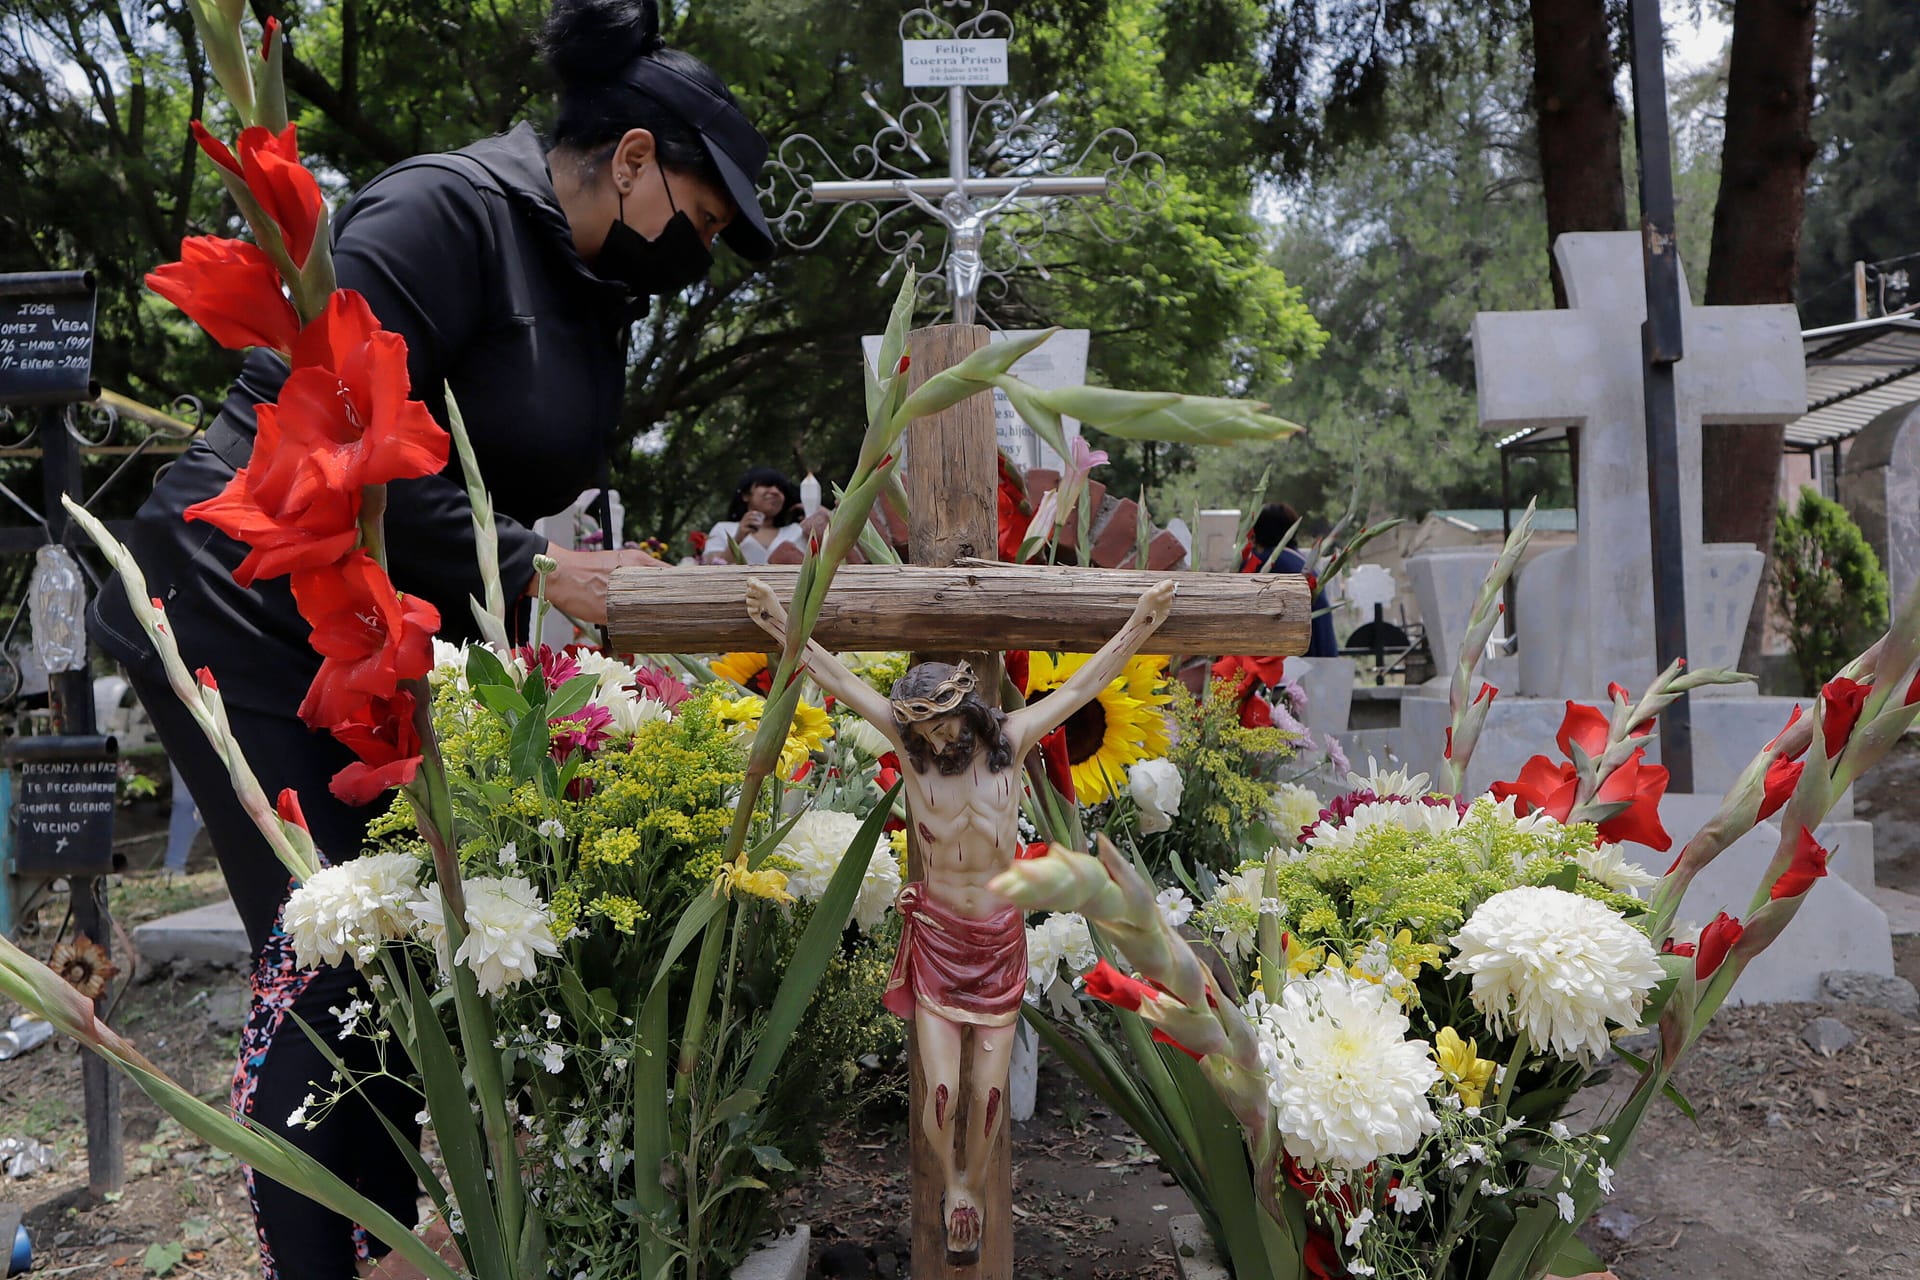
[1799, 1165]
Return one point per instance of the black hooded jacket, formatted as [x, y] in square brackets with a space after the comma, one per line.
[469, 258]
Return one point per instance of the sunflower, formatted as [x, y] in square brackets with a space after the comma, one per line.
[807, 734]
[748, 670]
[85, 966]
[1122, 725]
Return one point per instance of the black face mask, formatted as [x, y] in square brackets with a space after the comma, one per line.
[673, 260]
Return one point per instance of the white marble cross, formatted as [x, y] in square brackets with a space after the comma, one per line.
[1586, 611]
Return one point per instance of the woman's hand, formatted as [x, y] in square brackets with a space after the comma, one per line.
[578, 587]
[752, 522]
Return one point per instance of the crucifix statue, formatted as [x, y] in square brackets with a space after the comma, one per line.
[951, 607]
[961, 970]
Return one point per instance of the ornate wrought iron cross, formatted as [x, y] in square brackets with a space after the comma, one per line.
[989, 222]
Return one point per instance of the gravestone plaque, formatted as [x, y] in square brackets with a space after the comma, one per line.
[46, 337]
[64, 789]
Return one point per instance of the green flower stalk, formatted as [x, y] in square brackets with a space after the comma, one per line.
[201, 697]
[1470, 713]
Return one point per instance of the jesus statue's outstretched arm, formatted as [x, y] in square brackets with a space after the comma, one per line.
[1032, 723]
[764, 607]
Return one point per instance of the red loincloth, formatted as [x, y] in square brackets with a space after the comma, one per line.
[962, 968]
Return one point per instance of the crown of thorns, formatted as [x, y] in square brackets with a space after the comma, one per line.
[943, 699]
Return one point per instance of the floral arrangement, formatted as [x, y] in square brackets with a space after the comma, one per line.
[613, 922]
[1394, 1003]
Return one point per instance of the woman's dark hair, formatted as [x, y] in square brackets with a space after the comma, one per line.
[766, 475]
[592, 45]
[1272, 524]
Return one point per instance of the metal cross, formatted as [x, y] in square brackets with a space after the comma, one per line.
[1017, 195]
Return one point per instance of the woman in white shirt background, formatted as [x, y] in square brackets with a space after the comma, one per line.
[766, 520]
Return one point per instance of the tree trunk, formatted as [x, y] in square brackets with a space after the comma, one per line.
[1756, 249]
[1579, 122]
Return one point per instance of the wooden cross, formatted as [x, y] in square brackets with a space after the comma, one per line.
[951, 601]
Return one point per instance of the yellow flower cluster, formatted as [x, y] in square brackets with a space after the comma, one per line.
[807, 734]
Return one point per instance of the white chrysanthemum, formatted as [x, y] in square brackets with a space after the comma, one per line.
[1156, 787]
[815, 845]
[1295, 808]
[449, 665]
[1347, 1084]
[1061, 938]
[1557, 965]
[630, 710]
[340, 909]
[1606, 864]
[1395, 782]
[862, 737]
[507, 930]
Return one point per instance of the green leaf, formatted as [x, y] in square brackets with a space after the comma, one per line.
[485, 670]
[817, 946]
[1671, 1092]
[160, 1259]
[651, 1137]
[571, 696]
[738, 1103]
[503, 699]
[455, 1128]
[528, 745]
[1575, 1259]
[771, 1158]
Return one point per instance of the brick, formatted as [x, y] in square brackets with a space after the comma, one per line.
[1113, 542]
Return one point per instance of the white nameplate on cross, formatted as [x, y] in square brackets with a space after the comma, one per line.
[943, 63]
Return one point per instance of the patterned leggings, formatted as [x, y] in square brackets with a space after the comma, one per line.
[279, 1067]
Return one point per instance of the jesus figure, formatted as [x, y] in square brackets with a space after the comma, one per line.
[962, 966]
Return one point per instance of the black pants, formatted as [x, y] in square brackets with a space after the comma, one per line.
[279, 1065]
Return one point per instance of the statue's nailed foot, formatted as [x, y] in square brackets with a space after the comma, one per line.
[963, 1227]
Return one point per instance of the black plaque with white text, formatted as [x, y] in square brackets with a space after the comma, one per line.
[64, 792]
[46, 337]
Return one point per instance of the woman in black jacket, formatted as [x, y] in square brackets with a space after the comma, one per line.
[512, 268]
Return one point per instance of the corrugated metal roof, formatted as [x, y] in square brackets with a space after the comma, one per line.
[1855, 372]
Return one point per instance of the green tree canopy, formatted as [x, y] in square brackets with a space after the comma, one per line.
[1395, 248]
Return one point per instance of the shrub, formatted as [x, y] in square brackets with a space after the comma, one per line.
[1828, 584]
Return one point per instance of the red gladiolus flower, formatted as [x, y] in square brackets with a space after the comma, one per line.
[1161, 1037]
[1641, 785]
[1053, 753]
[205, 676]
[1017, 662]
[1487, 693]
[1256, 713]
[1448, 753]
[1783, 775]
[698, 540]
[369, 636]
[281, 542]
[1913, 691]
[1010, 501]
[889, 771]
[1841, 700]
[382, 734]
[1672, 948]
[1038, 849]
[270, 165]
[288, 807]
[1107, 983]
[1809, 864]
[1584, 725]
[1783, 731]
[1618, 691]
[1715, 941]
[230, 289]
[272, 25]
[1542, 785]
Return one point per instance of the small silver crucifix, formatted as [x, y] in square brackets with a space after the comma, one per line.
[961, 203]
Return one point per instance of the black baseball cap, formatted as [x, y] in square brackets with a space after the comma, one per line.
[733, 144]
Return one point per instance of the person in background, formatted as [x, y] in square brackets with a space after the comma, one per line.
[1271, 530]
[765, 516]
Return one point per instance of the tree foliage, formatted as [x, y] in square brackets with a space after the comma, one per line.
[1864, 198]
[1396, 247]
[756, 367]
